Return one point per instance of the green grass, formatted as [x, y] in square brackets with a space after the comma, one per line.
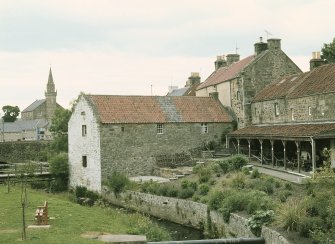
[68, 220]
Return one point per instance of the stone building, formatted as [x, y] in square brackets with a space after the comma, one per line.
[128, 133]
[236, 82]
[190, 86]
[35, 119]
[293, 119]
[43, 108]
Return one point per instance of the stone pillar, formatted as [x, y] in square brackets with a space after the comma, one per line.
[284, 145]
[272, 154]
[238, 146]
[227, 142]
[261, 142]
[332, 152]
[297, 143]
[313, 156]
[249, 141]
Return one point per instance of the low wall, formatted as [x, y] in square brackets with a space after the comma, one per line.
[193, 214]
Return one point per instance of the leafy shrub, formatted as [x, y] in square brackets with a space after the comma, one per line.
[80, 191]
[203, 189]
[212, 182]
[258, 219]
[197, 168]
[288, 186]
[117, 182]
[172, 192]
[238, 181]
[245, 171]
[290, 214]
[186, 193]
[258, 200]
[59, 168]
[236, 162]
[307, 225]
[224, 165]
[193, 185]
[215, 200]
[268, 187]
[255, 174]
[284, 195]
[204, 174]
[233, 202]
[216, 168]
[185, 184]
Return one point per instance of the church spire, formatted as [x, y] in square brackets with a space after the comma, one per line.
[51, 84]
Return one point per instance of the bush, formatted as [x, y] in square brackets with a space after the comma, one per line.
[193, 185]
[288, 186]
[238, 181]
[203, 189]
[224, 165]
[59, 168]
[117, 182]
[268, 187]
[290, 214]
[245, 171]
[255, 174]
[236, 162]
[204, 175]
[80, 191]
[308, 225]
[260, 218]
[284, 195]
[215, 200]
[185, 184]
[233, 202]
[186, 193]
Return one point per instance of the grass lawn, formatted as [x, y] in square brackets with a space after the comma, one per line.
[68, 220]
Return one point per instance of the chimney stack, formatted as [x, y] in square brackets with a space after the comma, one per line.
[220, 62]
[260, 46]
[316, 61]
[274, 44]
[194, 79]
[232, 58]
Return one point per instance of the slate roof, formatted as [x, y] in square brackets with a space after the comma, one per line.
[157, 109]
[178, 91]
[226, 73]
[20, 125]
[317, 81]
[33, 106]
[286, 131]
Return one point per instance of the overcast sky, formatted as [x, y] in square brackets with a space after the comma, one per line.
[125, 46]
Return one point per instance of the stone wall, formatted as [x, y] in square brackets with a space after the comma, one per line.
[191, 214]
[16, 152]
[312, 108]
[271, 65]
[132, 148]
[84, 146]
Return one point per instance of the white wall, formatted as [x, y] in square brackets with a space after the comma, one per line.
[223, 90]
[88, 145]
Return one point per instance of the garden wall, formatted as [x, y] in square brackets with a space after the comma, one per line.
[193, 214]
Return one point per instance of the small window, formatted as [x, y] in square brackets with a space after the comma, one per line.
[309, 111]
[159, 128]
[292, 114]
[84, 159]
[83, 130]
[82, 113]
[276, 109]
[204, 128]
[122, 129]
[238, 95]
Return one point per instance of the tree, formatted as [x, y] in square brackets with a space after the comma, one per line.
[11, 113]
[58, 129]
[117, 182]
[328, 52]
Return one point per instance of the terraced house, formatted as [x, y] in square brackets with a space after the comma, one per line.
[129, 133]
[236, 82]
[293, 120]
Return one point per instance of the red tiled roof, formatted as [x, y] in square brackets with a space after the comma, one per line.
[156, 109]
[291, 130]
[226, 73]
[319, 80]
